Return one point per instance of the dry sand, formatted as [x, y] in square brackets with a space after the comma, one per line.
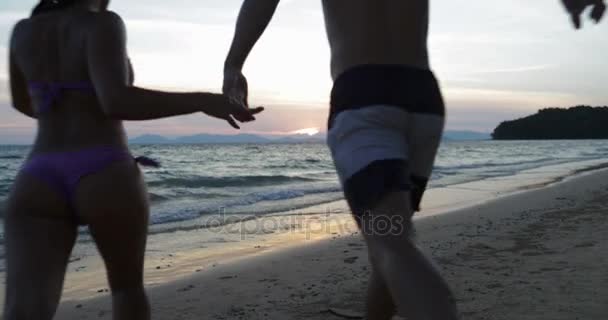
[539, 254]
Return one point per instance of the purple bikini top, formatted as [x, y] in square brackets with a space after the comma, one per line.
[51, 91]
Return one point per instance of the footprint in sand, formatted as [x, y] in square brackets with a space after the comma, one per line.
[351, 260]
[188, 288]
[531, 253]
[586, 244]
[494, 286]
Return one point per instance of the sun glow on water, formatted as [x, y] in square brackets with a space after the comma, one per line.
[308, 131]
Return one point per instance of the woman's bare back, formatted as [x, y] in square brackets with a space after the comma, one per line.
[52, 49]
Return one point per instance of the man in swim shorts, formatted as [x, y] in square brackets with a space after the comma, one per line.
[385, 125]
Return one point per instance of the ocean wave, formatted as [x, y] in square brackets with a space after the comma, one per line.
[188, 210]
[494, 164]
[180, 220]
[202, 194]
[593, 155]
[154, 198]
[283, 195]
[310, 160]
[220, 182]
[11, 157]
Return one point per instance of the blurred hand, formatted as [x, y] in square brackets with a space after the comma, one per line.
[236, 89]
[576, 7]
[226, 109]
[131, 72]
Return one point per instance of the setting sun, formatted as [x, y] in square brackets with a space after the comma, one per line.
[308, 131]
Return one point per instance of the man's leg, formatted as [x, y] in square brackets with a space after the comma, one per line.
[416, 288]
[379, 304]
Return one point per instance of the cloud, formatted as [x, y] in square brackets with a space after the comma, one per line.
[15, 127]
[507, 99]
[516, 69]
[5, 96]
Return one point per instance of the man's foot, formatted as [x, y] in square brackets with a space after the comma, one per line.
[344, 313]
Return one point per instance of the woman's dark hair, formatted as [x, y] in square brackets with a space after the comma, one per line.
[52, 5]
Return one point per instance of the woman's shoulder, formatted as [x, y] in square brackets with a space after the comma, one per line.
[20, 25]
[18, 29]
[105, 21]
[107, 15]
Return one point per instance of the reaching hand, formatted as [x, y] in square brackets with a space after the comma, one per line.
[131, 72]
[236, 89]
[576, 7]
[232, 112]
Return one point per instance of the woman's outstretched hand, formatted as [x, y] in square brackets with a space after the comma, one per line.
[576, 7]
[226, 109]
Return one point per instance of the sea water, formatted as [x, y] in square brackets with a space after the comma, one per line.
[201, 181]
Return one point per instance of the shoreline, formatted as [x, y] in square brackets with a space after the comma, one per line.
[534, 254]
[173, 255]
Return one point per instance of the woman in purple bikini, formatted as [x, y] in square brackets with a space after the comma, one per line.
[69, 70]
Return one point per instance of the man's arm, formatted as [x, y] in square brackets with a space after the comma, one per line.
[254, 17]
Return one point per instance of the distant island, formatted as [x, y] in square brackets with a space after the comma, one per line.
[261, 139]
[580, 122]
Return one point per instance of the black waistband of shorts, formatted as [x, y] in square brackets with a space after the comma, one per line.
[413, 89]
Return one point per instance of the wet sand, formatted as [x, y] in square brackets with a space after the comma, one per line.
[538, 254]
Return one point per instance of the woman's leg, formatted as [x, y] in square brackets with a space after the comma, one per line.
[39, 237]
[114, 203]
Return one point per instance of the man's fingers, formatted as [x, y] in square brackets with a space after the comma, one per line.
[598, 12]
[576, 20]
[232, 123]
[244, 115]
[256, 110]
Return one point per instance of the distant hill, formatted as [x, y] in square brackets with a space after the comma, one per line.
[150, 139]
[218, 138]
[465, 135]
[580, 122]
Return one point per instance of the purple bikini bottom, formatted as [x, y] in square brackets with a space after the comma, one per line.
[63, 170]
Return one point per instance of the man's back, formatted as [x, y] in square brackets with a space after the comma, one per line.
[376, 32]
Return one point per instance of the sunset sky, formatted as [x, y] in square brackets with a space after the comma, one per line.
[496, 60]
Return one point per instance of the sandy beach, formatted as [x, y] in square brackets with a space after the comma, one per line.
[536, 254]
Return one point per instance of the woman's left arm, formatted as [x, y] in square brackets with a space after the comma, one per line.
[19, 89]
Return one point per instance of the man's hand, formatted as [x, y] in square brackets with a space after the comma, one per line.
[236, 89]
[576, 7]
[226, 109]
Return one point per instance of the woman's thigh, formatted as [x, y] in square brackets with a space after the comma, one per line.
[39, 236]
[114, 204]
